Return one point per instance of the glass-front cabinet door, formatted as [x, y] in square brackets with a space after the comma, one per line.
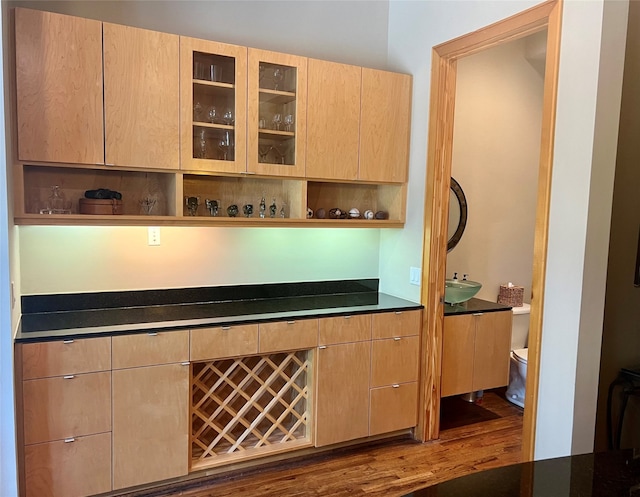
[276, 114]
[213, 79]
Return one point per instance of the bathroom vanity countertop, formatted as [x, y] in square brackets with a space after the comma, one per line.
[57, 317]
[474, 305]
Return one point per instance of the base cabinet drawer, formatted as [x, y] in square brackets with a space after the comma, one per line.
[288, 335]
[396, 324]
[344, 329]
[148, 349]
[73, 468]
[66, 406]
[41, 360]
[208, 344]
[394, 360]
[393, 408]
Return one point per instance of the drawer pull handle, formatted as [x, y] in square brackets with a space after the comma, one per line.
[153, 333]
[347, 317]
[398, 312]
[395, 385]
[69, 440]
[397, 339]
[69, 377]
[226, 328]
[477, 314]
[322, 347]
[291, 322]
[67, 341]
[185, 363]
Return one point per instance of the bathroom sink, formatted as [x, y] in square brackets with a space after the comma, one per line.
[457, 291]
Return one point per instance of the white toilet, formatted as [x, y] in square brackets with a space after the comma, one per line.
[518, 366]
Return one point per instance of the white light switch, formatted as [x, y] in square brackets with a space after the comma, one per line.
[154, 235]
[414, 275]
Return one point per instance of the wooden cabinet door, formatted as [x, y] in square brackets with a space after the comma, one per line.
[213, 83]
[344, 329]
[393, 408]
[150, 424]
[385, 125]
[59, 88]
[141, 97]
[458, 348]
[342, 397]
[333, 120]
[277, 87]
[396, 324]
[492, 347]
[71, 468]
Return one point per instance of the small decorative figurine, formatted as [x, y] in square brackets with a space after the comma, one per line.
[263, 207]
[382, 215]
[354, 213]
[335, 213]
[232, 210]
[309, 213]
[368, 214]
[248, 210]
[321, 213]
[283, 211]
[192, 205]
[212, 206]
[272, 208]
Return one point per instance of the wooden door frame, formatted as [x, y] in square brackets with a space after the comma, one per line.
[443, 85]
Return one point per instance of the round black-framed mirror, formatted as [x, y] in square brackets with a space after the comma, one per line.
[457, 215]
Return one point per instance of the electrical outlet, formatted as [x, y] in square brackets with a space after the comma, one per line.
[154, 235]
[414, 275]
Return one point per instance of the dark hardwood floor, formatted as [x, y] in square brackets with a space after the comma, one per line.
[473, 437]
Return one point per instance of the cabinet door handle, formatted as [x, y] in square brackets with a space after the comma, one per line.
[153, 333]
[397, 339]
[226, 328]
[69, 440]
[67, 341]
[322, 347]
[395, 385]
[69, 377]
[185, 363]
[291, 322]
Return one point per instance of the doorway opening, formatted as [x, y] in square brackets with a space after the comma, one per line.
[439, 171]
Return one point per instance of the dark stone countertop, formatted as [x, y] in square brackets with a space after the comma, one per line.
[602, 474]
[474, 305]
[57, 317]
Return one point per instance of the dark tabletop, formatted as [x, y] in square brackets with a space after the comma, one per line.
[602, 474]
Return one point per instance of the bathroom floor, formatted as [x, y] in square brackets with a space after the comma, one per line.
[456, 412]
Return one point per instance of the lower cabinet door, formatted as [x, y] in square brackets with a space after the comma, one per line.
[75, 467]
[394, 408]
[342, 401]
[150, 424]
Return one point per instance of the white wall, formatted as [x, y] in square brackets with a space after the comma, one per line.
[84, 259]
[574, 292]
[496, 154]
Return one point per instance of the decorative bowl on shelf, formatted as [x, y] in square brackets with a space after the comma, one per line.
[458, 291]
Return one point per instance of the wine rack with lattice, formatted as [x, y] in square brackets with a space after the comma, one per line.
[248, 407]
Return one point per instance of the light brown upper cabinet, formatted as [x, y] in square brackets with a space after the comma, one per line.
[385, 123]
[141, 97]
[213, 117]
[333, 120]
[59, 88]
[277, 108]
